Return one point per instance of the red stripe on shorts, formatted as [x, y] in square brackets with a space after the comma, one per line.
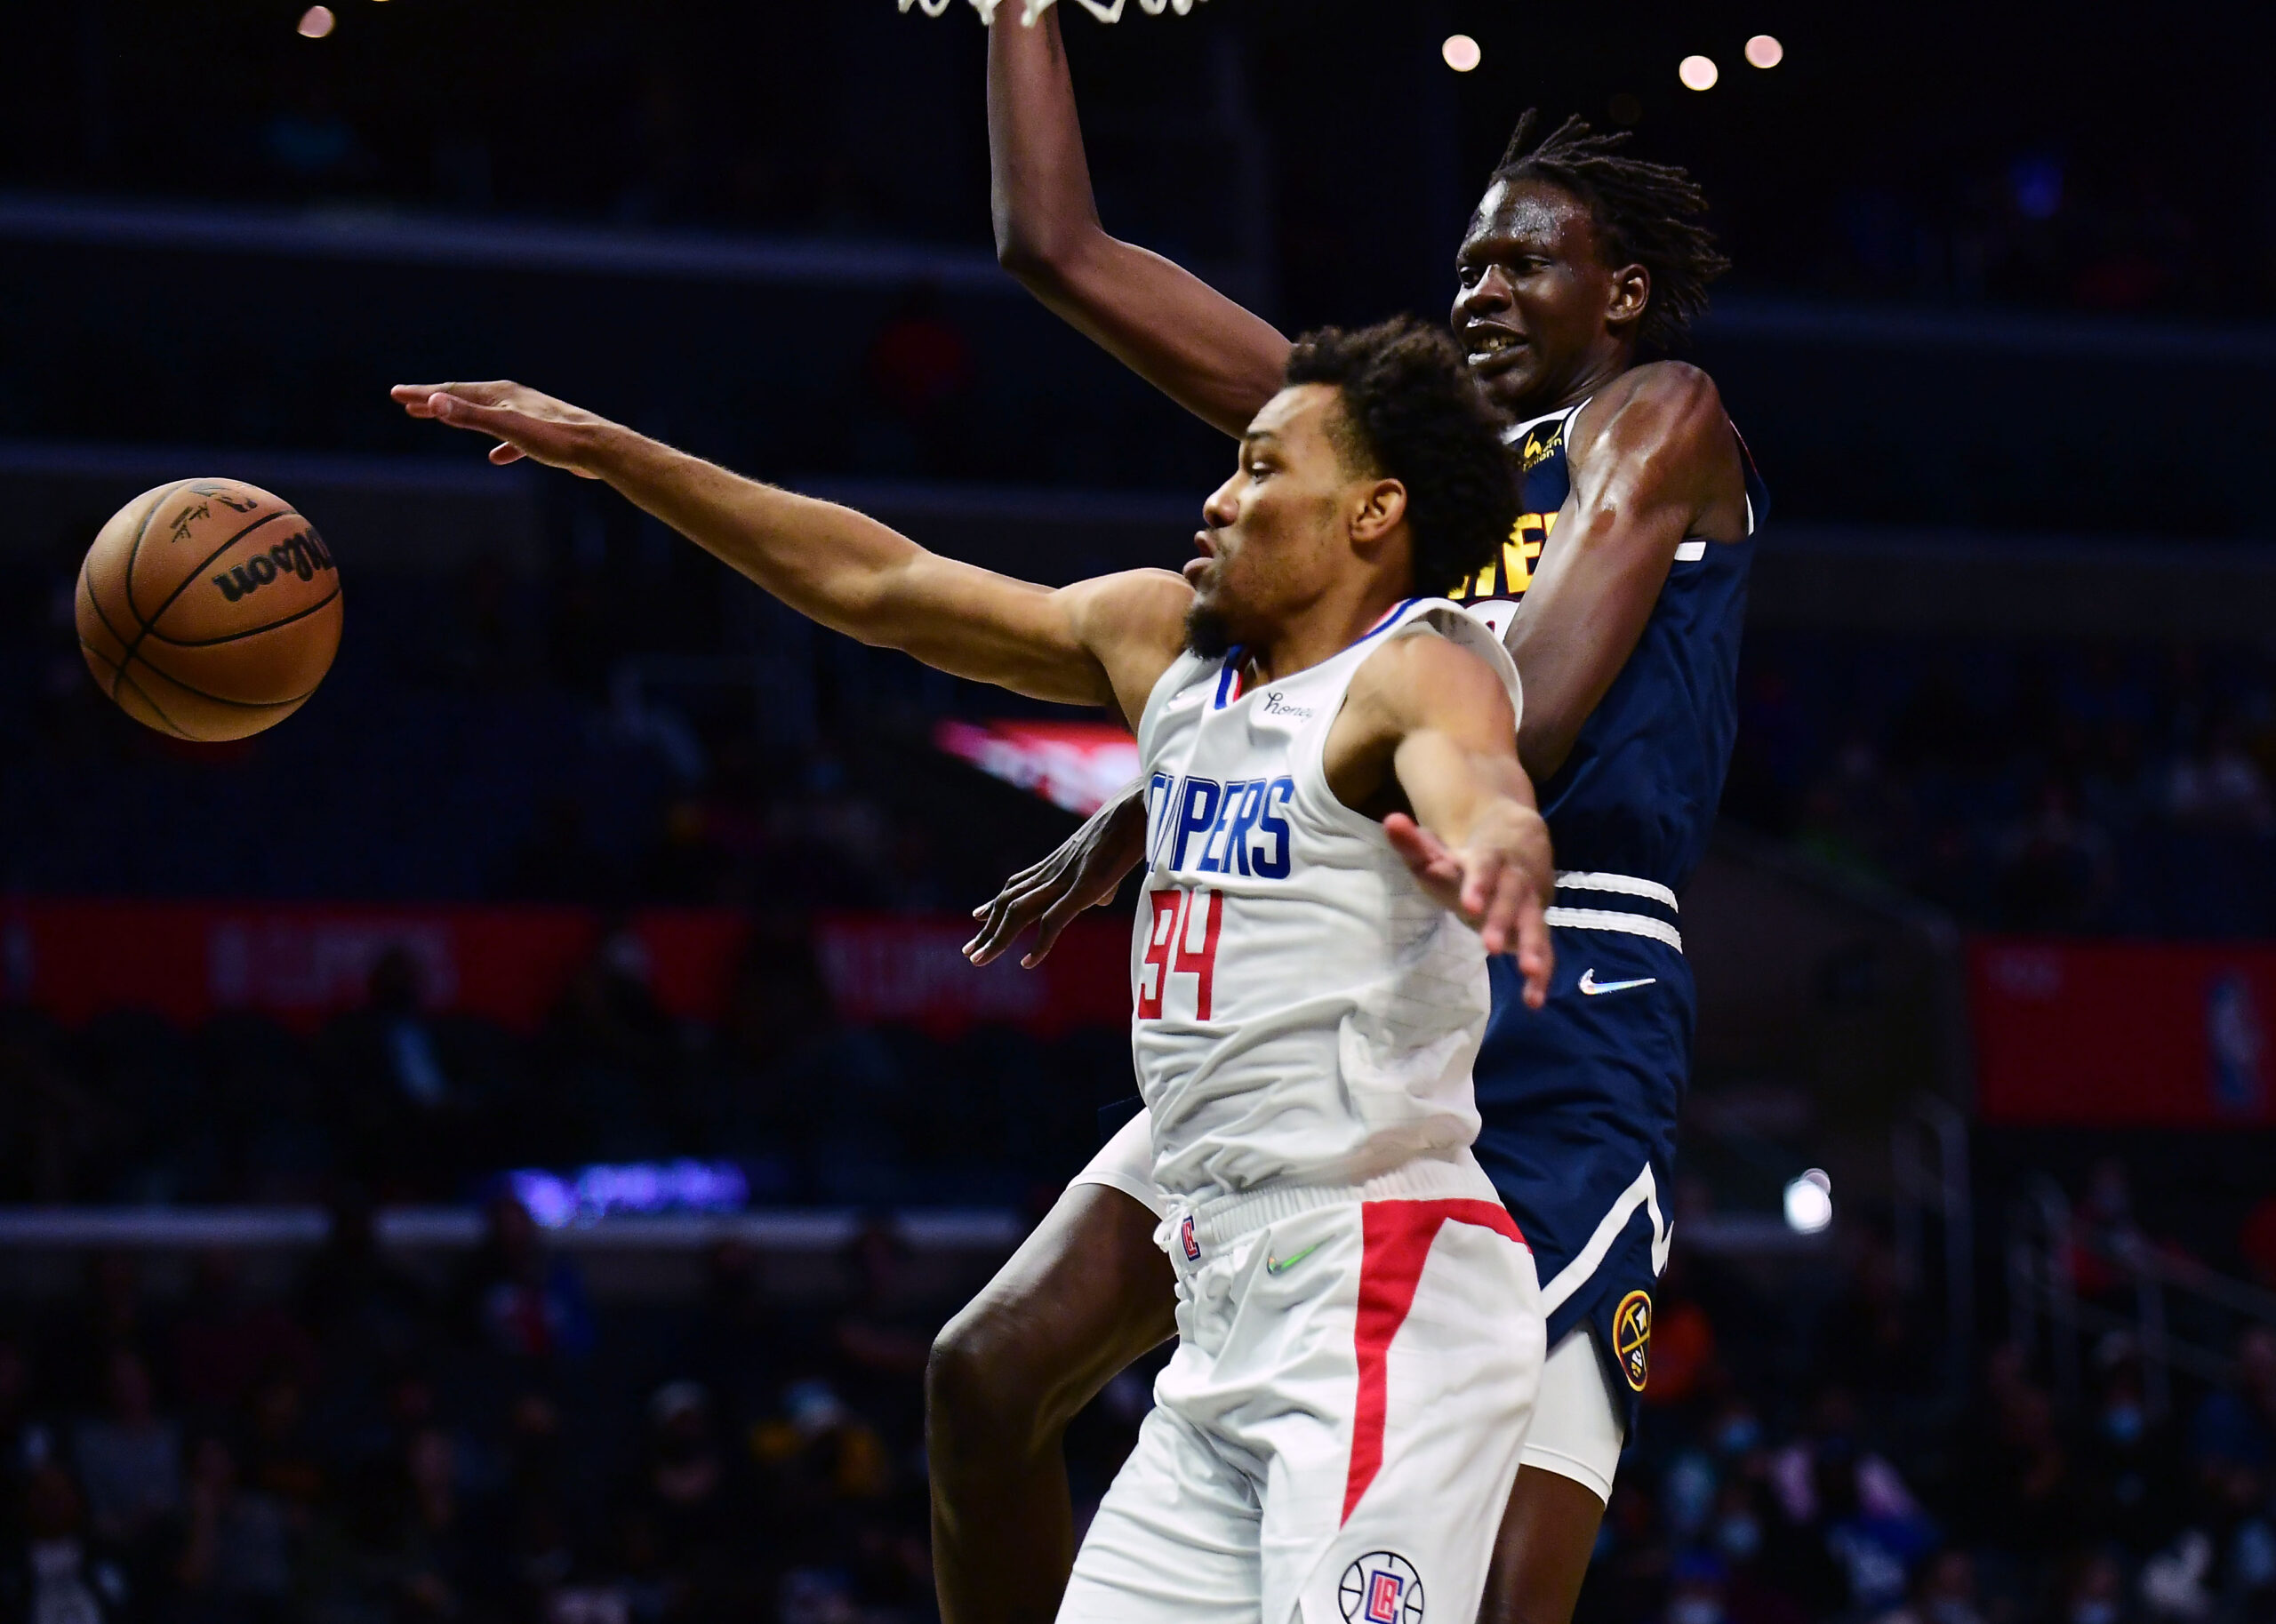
[1397, 1237]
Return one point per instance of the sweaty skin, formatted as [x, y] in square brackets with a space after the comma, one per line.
[1548, 323]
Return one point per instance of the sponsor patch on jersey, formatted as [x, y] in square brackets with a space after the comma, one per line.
[1632, 1338]
[1185, 1238]
[1541, 444]
[1382, 1587]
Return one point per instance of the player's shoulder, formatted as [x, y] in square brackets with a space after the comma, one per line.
[1150, 603]
[1660, 408]
[1423, 669]
[1676, 388]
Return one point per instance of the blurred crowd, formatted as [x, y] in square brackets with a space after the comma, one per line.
[380, 1442]
[377, 1435]
[2062, 788]
[414, 1105]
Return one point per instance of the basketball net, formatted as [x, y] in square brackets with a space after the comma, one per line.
[1105, 11]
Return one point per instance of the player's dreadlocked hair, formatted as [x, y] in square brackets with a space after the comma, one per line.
[1643, 214]
[1412, 412]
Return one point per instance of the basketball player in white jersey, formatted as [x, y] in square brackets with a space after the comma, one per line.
[1340, 833]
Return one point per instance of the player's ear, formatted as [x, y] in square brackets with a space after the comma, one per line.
[1382, 505]
[1632, 291]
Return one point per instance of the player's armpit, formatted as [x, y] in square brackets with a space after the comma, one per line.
[1654, 462]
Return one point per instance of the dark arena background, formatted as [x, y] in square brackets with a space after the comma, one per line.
[499, 1145]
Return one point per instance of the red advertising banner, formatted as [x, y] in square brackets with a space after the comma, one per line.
[303, 964]
[2123, 1034]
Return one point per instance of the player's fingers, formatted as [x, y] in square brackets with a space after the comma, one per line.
[1500, 929]
[1424, 853]
[506, 451]
[1536, 949]
[1046, 936]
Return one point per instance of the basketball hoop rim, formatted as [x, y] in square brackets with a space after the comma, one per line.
[1105, 11]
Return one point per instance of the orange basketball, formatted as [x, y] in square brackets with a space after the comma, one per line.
[209, 608]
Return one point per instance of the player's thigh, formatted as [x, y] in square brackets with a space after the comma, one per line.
[1088, 1292]
[1565, 1477]
[1174, 1541]
[1421, 1484]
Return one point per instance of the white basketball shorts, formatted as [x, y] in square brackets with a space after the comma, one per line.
[1577, 1430]
[1335, 1439]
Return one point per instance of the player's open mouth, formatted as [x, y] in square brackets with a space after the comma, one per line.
[1488, 345]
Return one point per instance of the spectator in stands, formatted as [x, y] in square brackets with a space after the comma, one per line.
[520, 1300]
[2233, 1437]
[2056, 871]
[2216, 786]
[2136, 1490]
[130, 1459]
[226, 1341]
[692, 1496]
[54, 1572]
[236, 1556]
[1943, 1592]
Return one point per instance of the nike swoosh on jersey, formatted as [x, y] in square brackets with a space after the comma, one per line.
[1591, 988]
[1281, 1266]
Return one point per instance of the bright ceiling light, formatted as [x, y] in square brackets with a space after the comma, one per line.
[1462, 52]
[316, 22]
[1765, 52]
[1697, 73]
[1809, 1203]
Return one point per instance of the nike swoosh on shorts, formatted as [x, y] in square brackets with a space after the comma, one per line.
[1591, 988]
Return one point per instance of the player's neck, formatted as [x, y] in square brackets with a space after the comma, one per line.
[1314, 636]
[1597, 369]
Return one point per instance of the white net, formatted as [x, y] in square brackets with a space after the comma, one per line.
[1105, 11]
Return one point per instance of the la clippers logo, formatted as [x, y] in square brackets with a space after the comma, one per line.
[1382, 1587]
[1192, 1246]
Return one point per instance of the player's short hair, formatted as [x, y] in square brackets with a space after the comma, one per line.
[1412, 411]
[1644, 213]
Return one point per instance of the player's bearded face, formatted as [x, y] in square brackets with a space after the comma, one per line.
[1272, 528]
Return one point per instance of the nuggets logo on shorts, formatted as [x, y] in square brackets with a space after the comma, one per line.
[1632, 1338]
[1382, 1587]
[1185, 1235]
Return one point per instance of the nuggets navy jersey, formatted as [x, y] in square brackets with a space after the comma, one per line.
[1304, 1012]
[1580, 1100]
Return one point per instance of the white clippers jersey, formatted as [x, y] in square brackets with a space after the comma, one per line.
[1305, 1014]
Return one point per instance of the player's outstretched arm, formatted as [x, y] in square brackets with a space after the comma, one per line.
[1655, 461]
[1102, 642]
[1427, 735]
[1217, 360]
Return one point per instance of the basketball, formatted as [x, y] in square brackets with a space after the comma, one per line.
[209, 610]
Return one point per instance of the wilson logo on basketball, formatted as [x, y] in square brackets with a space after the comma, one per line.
[303, 556]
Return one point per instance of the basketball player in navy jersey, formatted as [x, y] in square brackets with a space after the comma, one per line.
[1629, 565]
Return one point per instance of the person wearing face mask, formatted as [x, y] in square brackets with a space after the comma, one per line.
[2132, 1471]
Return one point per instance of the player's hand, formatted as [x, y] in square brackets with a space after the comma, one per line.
[524, 422]
[1084, 872]
[1499, 885]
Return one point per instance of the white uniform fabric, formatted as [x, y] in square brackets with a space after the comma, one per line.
[1305, 1014]
[1576, 1431]
[1334, 1438]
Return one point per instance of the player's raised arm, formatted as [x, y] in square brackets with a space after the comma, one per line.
[1101, 641]
[1656, 462]
[1217, 360]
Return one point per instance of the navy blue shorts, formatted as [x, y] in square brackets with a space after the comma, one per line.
[1580, 1101]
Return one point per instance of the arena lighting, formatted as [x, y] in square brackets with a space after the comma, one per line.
[316, 22]
[1809, 1203]
[642, 1189]
[1764, 51]
[1462, 52]
[1697, 73]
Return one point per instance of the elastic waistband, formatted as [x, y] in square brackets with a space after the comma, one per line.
[1615, 902]
[1223, 1220]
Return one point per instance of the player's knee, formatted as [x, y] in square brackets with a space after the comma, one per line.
[981, 1398]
